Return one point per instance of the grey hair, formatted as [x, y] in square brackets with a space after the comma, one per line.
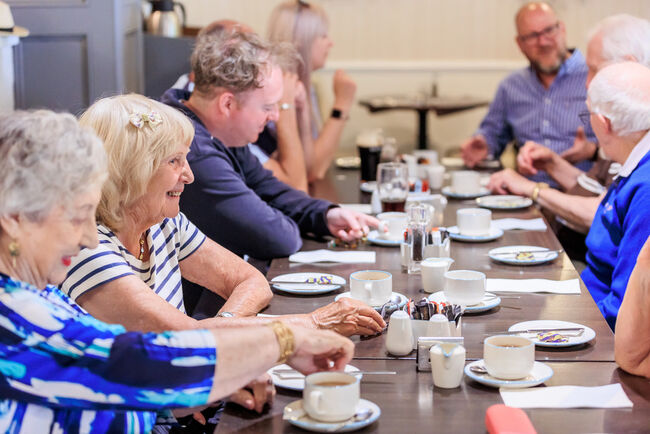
[46, 159]
[623, 35]
[621, 92]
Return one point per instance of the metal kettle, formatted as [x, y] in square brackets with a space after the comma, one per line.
[164, 20]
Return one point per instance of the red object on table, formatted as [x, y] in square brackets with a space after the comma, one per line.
[501, 419]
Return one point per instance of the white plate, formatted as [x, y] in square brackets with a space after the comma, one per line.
[375, 238]
[402, 298]
[539, 255]
[494, 234]
[540, 373]
[301, 287]
[297, 384]
[447, 191]
[489, 301]
[368, 187]
[309, 424]
[452, 161]
[350, 162]
[585, 337]
[504, 202]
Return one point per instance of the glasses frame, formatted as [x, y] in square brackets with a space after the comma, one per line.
[547, 32]
[585, 118]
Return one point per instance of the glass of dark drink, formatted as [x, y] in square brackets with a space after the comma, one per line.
[393, 186]
[369, 155]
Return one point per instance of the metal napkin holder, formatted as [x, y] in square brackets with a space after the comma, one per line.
[424, 345]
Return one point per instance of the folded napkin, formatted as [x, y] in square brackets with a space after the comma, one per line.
[524, 224]
[609, 396]
[324, 255]
[571, 286]
[363, 208]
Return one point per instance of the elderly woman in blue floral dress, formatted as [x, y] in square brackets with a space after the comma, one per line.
[61, 370]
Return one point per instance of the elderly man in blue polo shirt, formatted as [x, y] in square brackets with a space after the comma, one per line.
[619, 107]
[539, 103]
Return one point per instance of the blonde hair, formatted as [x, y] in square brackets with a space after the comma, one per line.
[134, 154]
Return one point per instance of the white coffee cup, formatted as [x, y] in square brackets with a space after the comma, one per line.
[465, 182]
[373, 287]
[392, 225]
[447, 364]
[433, 273]
[508, 357]
[330, 396]
[474, 221]
[464, 287]
[436, 174]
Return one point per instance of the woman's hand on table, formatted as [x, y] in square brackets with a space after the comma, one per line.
[256, 394]
[508, 181]
[349, 225]
[319, 350]
[349, 317]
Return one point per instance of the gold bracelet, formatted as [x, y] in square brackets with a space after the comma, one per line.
[537, 189]
[285, 338]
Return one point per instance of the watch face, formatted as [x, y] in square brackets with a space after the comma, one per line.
[336, 113]
[225, 315]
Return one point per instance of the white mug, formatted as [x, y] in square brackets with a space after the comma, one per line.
[436, 176]
[474, 221]
[392, 222]
[330, 396]
[465, 182]
[447, 364]
[433, 273]
[464, 287]
[399, 337]
[373, 287]
[508, 357]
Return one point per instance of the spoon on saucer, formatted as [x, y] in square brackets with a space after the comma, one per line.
[359, 416]
[478, 369]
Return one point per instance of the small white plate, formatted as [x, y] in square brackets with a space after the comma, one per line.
[585, 337]
[447, 191]
[368, 187]
[452, 162]
[297, 384]
[301, 287]
[489, 301]
[350, 162]
[305, 422]
[541, 372]
[494, 234]
[505, 202]
[402, 298]
[541, 255]
[375, 238]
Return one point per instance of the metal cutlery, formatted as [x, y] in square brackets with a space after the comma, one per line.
[304, 283]
[533, 252]
[291, 374]
[567, 331]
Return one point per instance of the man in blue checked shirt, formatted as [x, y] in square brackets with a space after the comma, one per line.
[541, 102]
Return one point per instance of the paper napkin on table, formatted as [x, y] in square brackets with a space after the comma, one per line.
[363, 208]
[524, 224]
[609, 396]
[571, 286]
[324, 255]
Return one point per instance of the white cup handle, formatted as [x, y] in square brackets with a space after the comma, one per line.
[315, 398]
[368, 288]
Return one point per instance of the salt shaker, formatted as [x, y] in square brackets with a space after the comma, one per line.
[399, 337]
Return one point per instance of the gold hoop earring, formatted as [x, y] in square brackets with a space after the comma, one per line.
[14, 252]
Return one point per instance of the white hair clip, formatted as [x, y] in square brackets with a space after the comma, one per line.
[139, 119]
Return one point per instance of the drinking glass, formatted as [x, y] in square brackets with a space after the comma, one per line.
[393, 186]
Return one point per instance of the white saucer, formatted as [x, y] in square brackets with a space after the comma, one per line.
[489, 301]
[447, 191]
[402, 298]
[585, 337]
[297, 384]
[301, 287]
[540, 373]
[350, 162]
[368, 187]
[541, 255]
[504, 202]
[494, 234]
[295, 415]
[375, 238]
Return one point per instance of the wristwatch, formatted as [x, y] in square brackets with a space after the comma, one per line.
[286, 106]
[225, 315]
[338, 114]
[537, 189]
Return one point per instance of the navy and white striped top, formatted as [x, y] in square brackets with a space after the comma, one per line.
[169, 243]
[524, 110]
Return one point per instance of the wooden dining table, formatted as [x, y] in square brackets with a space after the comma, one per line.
[409, 402]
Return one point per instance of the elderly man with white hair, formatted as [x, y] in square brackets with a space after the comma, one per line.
[619, 110]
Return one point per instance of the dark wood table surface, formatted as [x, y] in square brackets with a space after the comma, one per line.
[408, 400]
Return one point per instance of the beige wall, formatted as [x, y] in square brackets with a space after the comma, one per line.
[403, 46]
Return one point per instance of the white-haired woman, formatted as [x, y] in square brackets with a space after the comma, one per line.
[62, 369]
[305, 25]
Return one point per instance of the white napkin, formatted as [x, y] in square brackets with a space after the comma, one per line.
[524, 224]
[324, 255]
[571, 286]
[609, 396]
[363, 208]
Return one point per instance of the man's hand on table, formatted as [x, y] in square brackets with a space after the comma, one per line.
[349, 317]
[349, 225]
[256, 394]
[508, 181]
[474, 150]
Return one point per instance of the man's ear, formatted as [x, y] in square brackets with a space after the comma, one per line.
[605, 120]
[226, 102]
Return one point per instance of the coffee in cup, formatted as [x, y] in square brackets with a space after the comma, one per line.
[474, 221]
[508, 357]
[331, 396]
[464, 287]
[373, 287]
